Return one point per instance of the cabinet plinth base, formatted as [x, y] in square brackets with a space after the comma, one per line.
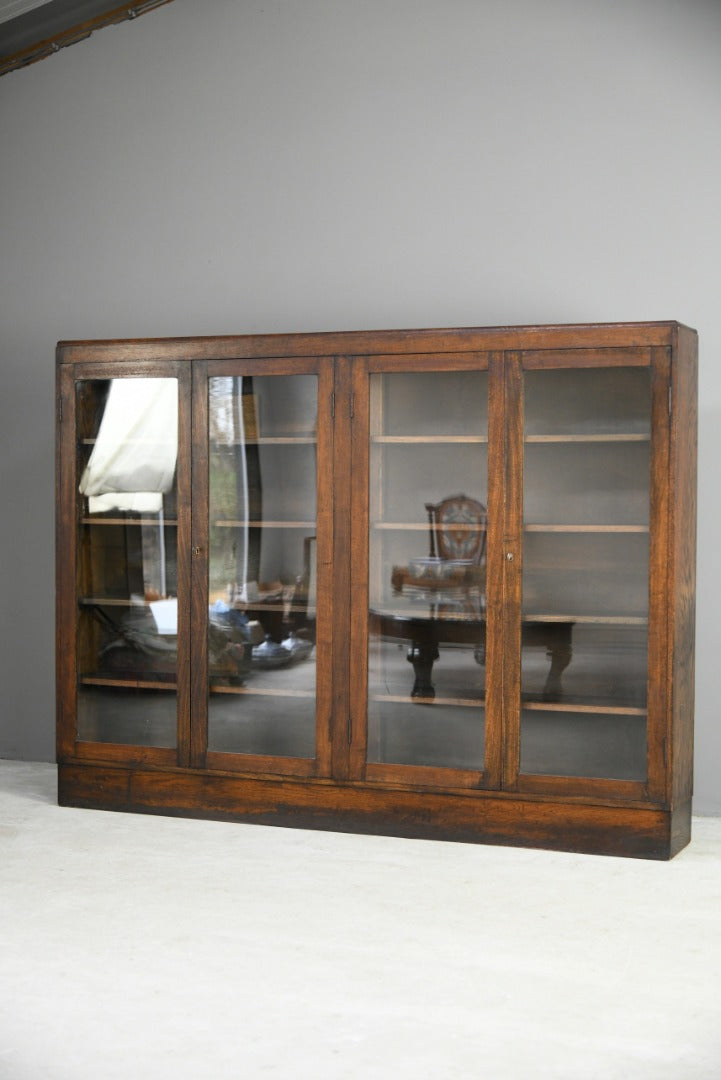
[471, 817]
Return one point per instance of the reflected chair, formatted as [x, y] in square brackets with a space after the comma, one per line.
[451, 580]
[451, 585]
[457, 527]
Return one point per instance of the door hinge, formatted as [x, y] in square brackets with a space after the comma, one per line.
[332, 406]
[670, 397]
[60, 409]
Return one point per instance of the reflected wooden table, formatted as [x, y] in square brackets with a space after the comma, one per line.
[425, 630]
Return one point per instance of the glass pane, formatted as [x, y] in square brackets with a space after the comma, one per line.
[127, 560]
[427, 558]
[597, 744]
[262, 565]
[585, 572]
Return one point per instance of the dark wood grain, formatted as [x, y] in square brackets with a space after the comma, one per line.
[328, 709]
[511, 557]
[357, 555]
[125, 754]
[187, 587]
[196, 560]
[471, 817]
[658, 691]
[338, 789]
[636, 356]
[495, 572]
[372, 342]
[683, 563]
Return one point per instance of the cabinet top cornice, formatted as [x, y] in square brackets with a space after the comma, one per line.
[373, 342]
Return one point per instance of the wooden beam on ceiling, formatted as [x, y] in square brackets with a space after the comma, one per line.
[53, 26]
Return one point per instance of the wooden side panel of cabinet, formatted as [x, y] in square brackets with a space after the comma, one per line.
[682, 567]
[658, 638]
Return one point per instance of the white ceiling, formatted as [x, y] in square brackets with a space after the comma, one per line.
[10, 9]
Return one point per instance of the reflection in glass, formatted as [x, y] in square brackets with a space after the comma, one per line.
[593, 744]
[427, 557]
[585, 572]
[127, 560]
[261, 575]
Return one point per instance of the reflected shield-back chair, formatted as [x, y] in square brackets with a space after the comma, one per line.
[457, 527]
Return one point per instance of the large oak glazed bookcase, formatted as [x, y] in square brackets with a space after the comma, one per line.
[433, 583]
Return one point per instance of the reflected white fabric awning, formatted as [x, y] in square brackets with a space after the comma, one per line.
[133, 461]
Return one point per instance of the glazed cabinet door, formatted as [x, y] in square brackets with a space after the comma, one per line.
[585, 632]
[262, 593]
[425, 657]
[123, 532]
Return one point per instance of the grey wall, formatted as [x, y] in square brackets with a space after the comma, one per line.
[262, 165]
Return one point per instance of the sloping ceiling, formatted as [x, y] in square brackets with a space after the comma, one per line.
[33, 29]
[10, 9]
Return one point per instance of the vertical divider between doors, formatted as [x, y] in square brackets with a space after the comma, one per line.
[195, 559]
[358, 606]
[494, 571]
[327, 707]
[511, 556]
[344, 557]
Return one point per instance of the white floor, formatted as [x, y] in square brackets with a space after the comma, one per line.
[163, 948]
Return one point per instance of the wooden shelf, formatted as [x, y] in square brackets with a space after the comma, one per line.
[260, 606]
[586, 528]
[421, 609]
[112, 601]
[420, 526]
[126, 442]
[577, 620]
[404, 526]
[570, 707]
[268, 440]
[588, 620]
[629, 438]
[265, 524]
[128, 684]
[219, 688]
[406, 699]
[535, 706]
[431, 440]
[128, 521]
[253, 605]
